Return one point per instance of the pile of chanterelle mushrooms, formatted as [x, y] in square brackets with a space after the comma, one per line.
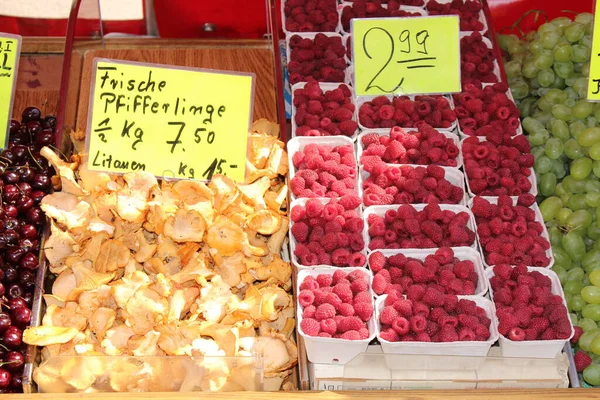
[148, 268]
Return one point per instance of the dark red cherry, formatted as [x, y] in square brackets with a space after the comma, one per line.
[13, 255]
[15, 303]
[29, 232]
[45, 138]
[33, 127]
[14, 360]
[16, 383]
[24, 204]
[14, 291]
[21, 151]
[5, 378]
[31, 114]
[40, 182]
[35, 216]
[10, 275]
[8, 156]
[10, 177]
[14, 126]
[28, 299]
[26, 174]
[5, 322]
[10, 211]
[49, 122]
[29, 261]
[25, 188]
[21, 316]
[13, 337]
[12, 237]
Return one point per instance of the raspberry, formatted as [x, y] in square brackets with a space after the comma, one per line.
[388, 315]
[448, 334]
[376, 261]
[349, 324]
[324, 311]
[359, 285]
[582, 360]
[364, 310]
[310, 326]
[324, 280]
[328, 326]
[401, 326]
[389, 335]
[516, 334]
[433, 298]
[351, 335]
[306, 298]
[577, 335]
[379, 283]
[309, 283]
[418, 323]
[346, 309]
[466, 334]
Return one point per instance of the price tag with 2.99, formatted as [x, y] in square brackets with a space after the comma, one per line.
[414, 55]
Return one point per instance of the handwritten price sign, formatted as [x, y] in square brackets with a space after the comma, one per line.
[173, 122]
[416, 55]
[10, 49]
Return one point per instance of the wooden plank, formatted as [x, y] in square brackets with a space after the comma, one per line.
[258, 60]
[478, 394]
[38, 83]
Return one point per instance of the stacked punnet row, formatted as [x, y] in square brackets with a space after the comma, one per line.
[413, 217]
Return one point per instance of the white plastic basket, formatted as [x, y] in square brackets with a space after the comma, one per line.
[466, 348]
[538, 218]
[297, 144]
[534, 348]
[325, 87]
[462, 253]
[311, 36]
[481, 16]
[329, 350]
[489, 45]
[364, 99]
[411, 9]
[531, 176]
[380, 211]
[519, 130]
[450, 134]
[453, 175]
[294, 242]
[338, 28]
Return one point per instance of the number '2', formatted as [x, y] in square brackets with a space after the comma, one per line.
[371, 85]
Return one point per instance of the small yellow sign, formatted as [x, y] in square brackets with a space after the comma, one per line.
[10, 49]
[171, 121]
[414, 55]
[593, 91]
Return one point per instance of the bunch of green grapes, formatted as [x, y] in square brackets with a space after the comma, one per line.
[548, 74]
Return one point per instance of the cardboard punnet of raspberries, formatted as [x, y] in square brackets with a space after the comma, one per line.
[530, 304]
[477, 59]
[511, 230]
[457, 270]
[423, 146]
[328, 232]
[431, 316]
[419, 226]
[336, 303]
[469, 11]
[316, 57]
[310, 15]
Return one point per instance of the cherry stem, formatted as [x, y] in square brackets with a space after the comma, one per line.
[33, 158]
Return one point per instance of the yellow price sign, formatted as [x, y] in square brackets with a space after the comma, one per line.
[593, 90]
[10, 49]
[415, 55]
[175, 122]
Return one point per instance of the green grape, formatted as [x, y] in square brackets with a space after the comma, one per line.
[584, 18]
[589, 137]
[594, 152]
[592, 199]
[549, 39]
[526, 105]
[556, 96]
[554, 148]
[538, 138]
[550, 207]
[536, 47]
[555, 236]
[574, 319]
[579, 220]
[516, 47]
[581, 168]
[546, 77]
[572, 287]
[585, 71]
[563, 69]
[576, 202]
[581, 53]
[563, 52]
[561, 22]
[513, 69]
[519, 88]
[530, 70]
[560, 129]
[591, 311]
[561, 272]
[587, 324]
[593, 232]
[581, 84]
[559, 83]
[575, 275]
[572, 185]
[592, 374]
[565, 199]
[504, 41]
[587, 42]
[574, 32]
[562, 215]
[560, 189]
[591, 122]
[573, 245]
[548, 184]
[577, 127]
[576, 303]
[592, 185]
[561, 257]
[544, 60]
[544, 104]
[539, 152]
[572, 149]
[595, 278]
[595, 346]
[588, 261]
[585, 341]
[591, 294]
[596, 168]
[562, 111]
[583, 109]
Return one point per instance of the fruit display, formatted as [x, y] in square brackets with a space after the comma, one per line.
[26, 179]
[548, 74]
[402, 111]
[148, 268]
[319, 112]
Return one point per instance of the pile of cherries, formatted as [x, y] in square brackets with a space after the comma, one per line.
[25, 180]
